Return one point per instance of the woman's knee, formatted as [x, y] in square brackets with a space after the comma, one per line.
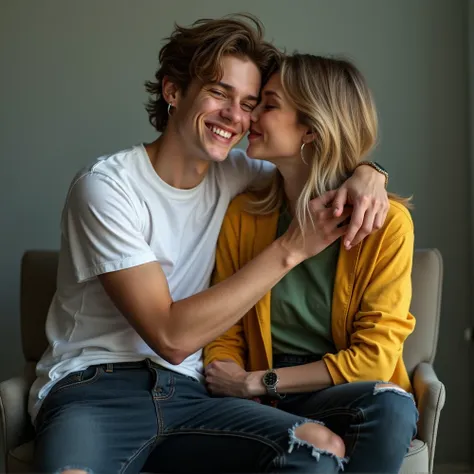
[395, 403]
[321, 437]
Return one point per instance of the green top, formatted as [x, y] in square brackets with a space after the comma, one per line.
[301, 303]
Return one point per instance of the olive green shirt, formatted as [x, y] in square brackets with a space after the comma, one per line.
[301, 303]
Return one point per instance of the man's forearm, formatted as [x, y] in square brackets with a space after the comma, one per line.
[201, 318]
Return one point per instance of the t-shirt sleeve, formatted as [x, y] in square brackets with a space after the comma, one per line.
[102, 228]
[244, 173]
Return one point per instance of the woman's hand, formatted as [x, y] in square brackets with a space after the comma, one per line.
[227, 378]
[365, 191]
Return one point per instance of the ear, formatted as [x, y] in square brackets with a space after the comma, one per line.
[170, 91]
[309, 136]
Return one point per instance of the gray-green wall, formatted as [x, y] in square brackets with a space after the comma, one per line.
[71, 89]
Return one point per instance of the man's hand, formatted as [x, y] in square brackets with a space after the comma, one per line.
[324, 229]
[227, 378]
[365, 191]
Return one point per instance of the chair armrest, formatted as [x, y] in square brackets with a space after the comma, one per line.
[15, 422]
[430, 394]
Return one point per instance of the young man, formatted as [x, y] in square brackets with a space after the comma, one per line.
[121, 382]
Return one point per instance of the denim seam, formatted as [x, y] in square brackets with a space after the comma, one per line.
[170, 392]
[79, 382]
[158, 412]
[137, 453]
[362, 420]
[275, 446]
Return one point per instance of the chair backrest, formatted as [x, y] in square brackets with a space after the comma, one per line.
[38, 284]
[427, 282]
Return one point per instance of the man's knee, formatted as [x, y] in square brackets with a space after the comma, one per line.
[322, 438]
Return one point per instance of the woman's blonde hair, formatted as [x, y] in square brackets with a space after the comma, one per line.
[332, 98]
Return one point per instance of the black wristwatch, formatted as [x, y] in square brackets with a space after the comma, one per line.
[270, 380]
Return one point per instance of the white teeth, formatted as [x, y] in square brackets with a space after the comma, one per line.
[222, 133]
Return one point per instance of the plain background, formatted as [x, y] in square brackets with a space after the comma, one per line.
[71, 89]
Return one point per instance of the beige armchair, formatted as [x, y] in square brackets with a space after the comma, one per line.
[38, 281]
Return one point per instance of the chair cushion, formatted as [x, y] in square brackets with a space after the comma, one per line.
[20, 459]
[417, 458]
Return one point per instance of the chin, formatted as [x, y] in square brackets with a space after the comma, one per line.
[255, 153]
[218, 155]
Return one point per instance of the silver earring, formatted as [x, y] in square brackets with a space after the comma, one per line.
[302, 155]
[169, 109]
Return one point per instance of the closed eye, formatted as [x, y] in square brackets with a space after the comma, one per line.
[248, 107]
[218, 92]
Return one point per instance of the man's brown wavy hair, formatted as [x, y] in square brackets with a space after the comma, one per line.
[196, 52]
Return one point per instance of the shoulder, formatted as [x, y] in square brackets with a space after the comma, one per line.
[398, 227]
[238, 166]
[107, 173]
[239, 206]
[399, 220]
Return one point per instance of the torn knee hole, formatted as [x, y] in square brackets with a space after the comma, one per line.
[322, 438]
[381, 387]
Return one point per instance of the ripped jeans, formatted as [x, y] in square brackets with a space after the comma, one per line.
[376, 422]
[139, 417]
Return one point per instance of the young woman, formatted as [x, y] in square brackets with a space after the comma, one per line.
[327, 342]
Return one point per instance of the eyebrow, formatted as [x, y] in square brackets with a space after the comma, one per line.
[230, 88]
[271, 93]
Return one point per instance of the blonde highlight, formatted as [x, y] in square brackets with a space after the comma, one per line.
[333, 99]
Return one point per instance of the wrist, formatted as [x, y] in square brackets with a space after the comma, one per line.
[376, 170]
[253, 384]
[287, 254]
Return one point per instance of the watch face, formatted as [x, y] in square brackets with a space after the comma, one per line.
[270, 379]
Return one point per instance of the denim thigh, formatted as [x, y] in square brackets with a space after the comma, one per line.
[99, 421]
[127, 420]
[200, 433]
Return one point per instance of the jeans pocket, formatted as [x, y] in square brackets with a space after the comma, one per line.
[77, 379]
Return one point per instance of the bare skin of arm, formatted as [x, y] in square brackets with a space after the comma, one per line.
[176, 329]
[225, 377]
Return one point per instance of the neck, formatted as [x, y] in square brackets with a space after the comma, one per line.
[294, 180]
[171, 163]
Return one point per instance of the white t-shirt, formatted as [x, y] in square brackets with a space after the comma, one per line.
[118, 214]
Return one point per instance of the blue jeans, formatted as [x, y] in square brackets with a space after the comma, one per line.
[132, 417]
[376, 423]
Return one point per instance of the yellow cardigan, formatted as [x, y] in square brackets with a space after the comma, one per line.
[370, 306]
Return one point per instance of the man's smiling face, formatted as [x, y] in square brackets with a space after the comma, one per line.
[212, 118]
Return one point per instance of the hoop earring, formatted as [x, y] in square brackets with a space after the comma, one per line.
[169, 109]
[302, 155]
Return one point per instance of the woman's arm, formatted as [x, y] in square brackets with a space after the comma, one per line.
[379, 331]
[383, 321]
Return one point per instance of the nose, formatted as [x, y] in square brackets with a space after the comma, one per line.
[255, 115]
[233, 112]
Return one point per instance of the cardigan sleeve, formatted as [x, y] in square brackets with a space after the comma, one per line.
[383, 321]
[232, 344]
